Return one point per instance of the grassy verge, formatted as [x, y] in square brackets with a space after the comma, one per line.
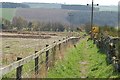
[83, 62]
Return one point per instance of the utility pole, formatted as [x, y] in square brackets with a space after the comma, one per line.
[92, 13]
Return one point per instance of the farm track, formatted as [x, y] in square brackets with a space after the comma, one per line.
[84, 63]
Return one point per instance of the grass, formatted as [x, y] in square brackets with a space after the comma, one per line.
[7, 13]
[67, 68]
[27, 69]
[83, 62]
[22, 47]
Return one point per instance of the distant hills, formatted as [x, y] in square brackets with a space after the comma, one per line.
[60, 6]
[13, 5]
[44, 5]
[63, 13]
[74, 17]
[108, 8]
[55, 6]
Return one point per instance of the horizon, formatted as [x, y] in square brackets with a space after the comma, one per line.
[54, 3]
[75, 2]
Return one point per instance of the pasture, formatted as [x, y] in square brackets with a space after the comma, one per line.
[23, 46]
[13, 47]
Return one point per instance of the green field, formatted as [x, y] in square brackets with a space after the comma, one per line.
[7, 13]
[83, 62]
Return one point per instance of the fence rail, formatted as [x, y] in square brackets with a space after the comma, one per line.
[20, 62]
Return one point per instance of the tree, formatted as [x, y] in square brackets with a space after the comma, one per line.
[6, 24]
[29, 26]
[19, 23]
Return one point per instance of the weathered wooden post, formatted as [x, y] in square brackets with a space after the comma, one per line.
[36, 64]
[54, 54]
[73, 41]
[60, 46]
[47, 54]
[19, 70]
[64, 44]
[69, 42]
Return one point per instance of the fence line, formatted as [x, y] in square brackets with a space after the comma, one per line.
[20, 62]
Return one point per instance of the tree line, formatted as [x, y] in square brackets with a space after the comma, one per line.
[13, 5]
[20, 24]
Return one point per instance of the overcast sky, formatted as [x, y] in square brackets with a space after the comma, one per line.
[84, 2]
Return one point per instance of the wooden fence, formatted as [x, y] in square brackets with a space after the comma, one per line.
[19, 64]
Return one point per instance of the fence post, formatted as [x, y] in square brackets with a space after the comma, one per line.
[36, 64]
[19, 71]
[59, 46]
[66, 42]
[47, 53]
[54, 53]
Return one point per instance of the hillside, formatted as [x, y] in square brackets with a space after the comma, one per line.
[108, 8]
[52, 12]
[43, 5]
[7, 13]
[12, 5]
[61, 15]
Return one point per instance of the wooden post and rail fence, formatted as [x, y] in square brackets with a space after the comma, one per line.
[55, 47]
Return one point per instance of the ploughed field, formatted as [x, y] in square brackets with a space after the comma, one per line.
[26, 43]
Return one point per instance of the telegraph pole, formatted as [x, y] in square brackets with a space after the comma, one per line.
[92, 15]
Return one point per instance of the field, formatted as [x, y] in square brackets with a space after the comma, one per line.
[13, 47]
[7, 13]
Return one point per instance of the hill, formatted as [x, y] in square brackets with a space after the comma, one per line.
[63, 16]
[43, 5]
[12, 5]
[7, 13]
[108, 8]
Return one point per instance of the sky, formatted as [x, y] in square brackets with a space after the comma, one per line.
[84, 2]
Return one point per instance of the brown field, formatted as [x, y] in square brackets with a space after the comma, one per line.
[13, 47]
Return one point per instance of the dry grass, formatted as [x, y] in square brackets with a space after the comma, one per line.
[22, 47]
